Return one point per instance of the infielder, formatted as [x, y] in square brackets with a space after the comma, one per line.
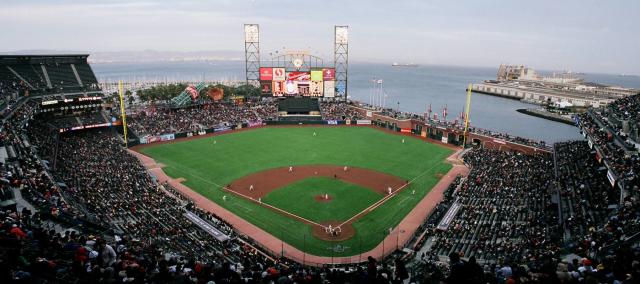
[290, 169]
[251, 187]
[389, 188]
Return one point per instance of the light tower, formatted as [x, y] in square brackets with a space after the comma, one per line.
[252, 53]
[341, 58]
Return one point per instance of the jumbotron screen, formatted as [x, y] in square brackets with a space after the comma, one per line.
[278, 82]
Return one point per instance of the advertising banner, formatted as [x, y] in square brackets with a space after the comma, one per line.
[152, 139]
[445, 139]
[298, 76]
[328, 74]
[143, 140]
[266, 74]
[347, 122]
[316, 89]
[278, 88]
[167, 137]
[291, 88]
[265, 88]
[423, 134]
[221, 129]
[316, 76]
[303, 88]
[202, 132]
[363, 122]
[332, 122]
[189, 134]
[279, 74]
[255, 123]
[611, 178]
[405, 130]
[329, 89]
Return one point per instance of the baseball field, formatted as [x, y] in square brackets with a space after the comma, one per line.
[328, 191]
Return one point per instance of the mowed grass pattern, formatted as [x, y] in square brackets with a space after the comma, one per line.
[207, 166]
[299, 198]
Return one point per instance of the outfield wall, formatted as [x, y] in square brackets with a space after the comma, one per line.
[436, 133]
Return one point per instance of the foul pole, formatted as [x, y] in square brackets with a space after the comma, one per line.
[466, 117]
[123, 114]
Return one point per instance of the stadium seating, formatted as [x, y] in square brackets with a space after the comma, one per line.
[505, 212]
[518, 214]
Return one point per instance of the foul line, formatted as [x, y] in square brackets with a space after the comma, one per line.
[275, 208]
[249, 198]
[389, 196]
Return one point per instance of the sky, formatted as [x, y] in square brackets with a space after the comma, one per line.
[582, 36]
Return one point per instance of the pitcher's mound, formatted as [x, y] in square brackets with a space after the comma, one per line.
[323, 198]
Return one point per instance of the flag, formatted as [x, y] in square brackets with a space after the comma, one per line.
[444, 113]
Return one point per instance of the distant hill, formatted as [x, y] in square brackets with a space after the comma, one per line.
[143, 55]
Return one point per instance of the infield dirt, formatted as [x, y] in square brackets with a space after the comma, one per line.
[260, 184]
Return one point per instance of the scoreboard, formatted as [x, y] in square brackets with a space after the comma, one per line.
[278, 82]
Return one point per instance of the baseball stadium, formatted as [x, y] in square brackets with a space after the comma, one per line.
[282, 178]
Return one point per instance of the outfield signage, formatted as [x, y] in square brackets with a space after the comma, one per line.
[363, 122]
[405, 130]
[332, 122]
[445, 139]
[167, 137]
[221, 129]
[255, 123]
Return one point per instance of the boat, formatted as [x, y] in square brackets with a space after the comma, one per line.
[395, 64]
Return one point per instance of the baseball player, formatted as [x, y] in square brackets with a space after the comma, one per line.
[345, 169]
[251, 187]
[402, 140]
[389, 189]
[314, 133]
[224, 198]
[290, 169]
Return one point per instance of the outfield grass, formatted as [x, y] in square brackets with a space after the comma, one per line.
[299, 198]
[206, 166]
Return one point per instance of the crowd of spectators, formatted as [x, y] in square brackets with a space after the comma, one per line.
[10, 93]
[506, 231]
[158, 121]
[584, 191]
[339, 111]
[505, 209]
[456, 123]
[620, 154]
